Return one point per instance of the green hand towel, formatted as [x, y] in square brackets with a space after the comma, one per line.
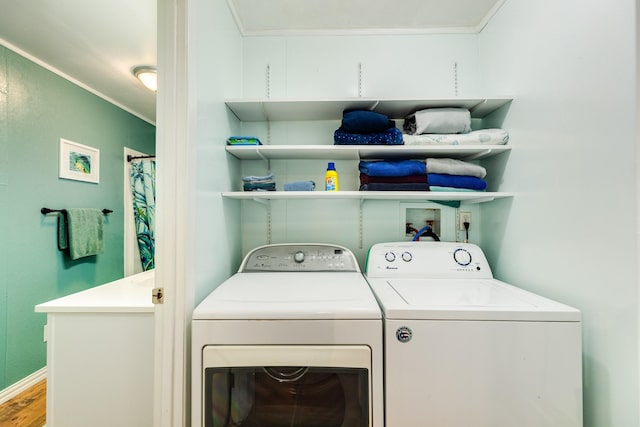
[81, 231]
[63, 240]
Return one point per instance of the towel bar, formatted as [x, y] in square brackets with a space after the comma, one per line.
[45, 211]
[130, 157]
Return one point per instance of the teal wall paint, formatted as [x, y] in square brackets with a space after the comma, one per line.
[37, 108]
[4, 226]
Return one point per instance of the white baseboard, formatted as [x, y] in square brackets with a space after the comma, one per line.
[22, 385]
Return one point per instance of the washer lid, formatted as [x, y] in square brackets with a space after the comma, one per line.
[471, 299]
[274, 296]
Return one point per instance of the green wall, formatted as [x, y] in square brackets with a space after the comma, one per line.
[37, 108]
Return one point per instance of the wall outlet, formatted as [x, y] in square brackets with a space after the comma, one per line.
[464, 217]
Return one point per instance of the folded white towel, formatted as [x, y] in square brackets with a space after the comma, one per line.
[443, 120]
[455, 167]
[476, 137]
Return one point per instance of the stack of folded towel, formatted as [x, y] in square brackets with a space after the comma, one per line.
[258, 183]
[387, 175]
[364, 127]
[455, 175]
[447, 126]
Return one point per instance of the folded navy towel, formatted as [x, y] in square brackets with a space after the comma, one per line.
[390, 186]
[271, 186]
[366, 179]
[299, 186]
[393, 168]
[391, 136]
[364, 121]
[457, 181]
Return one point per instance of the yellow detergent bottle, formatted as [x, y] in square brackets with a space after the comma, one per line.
[331, 178]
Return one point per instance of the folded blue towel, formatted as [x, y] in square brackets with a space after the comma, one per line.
[457, 181]
[391, 136]
[393, 168]
[364, 121]
[299, 186]
[81, 231]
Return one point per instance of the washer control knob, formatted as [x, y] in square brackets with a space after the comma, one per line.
[390, 256]
[462, 256]
[406, 256]
[298, 257]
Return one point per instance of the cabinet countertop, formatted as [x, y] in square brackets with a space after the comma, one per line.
[131, 294]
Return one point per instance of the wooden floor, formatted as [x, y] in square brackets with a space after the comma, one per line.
[28, 409]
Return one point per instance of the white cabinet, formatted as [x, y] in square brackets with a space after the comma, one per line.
[100, 355]
[267, 110]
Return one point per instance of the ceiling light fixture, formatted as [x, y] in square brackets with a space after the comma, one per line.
[148, 76]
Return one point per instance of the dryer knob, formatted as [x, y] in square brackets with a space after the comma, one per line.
[298, 257]
[462, 257]
[390, 256]
[406, 256]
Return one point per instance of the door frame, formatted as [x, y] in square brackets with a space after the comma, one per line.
[173, 205]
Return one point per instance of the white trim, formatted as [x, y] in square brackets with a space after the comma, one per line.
[489, 15]
[359, 31]
[65, 76]
[637, 177]
[174, 215]
[22, 385]
[236, 16]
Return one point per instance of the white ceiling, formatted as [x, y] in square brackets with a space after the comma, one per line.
[93, 43]
[96, 44]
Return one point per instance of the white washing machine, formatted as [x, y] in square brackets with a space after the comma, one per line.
[293, 339]
[464, 349]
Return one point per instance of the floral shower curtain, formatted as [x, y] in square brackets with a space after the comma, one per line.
[143, 185]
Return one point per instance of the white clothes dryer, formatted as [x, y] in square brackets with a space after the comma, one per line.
[294, 338]
[464, 349]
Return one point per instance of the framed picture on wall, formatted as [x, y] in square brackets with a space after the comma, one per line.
[79, 162]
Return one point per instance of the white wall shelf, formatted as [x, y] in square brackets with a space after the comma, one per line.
[356, 152]
[254, 110]
[423, 196]
[267, 110]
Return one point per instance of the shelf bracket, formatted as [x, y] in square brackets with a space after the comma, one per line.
[267, 204]
[268, 81]
[475, 107]
[360, 225]
[480, 154]
[360, 80]
[455, 78]
[269, 224]
[266, 159]
[477, 200]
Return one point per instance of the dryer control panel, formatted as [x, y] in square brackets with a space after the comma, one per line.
[311, 257]
[436, 260]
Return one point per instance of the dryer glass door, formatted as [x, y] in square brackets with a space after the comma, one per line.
[329, 386]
